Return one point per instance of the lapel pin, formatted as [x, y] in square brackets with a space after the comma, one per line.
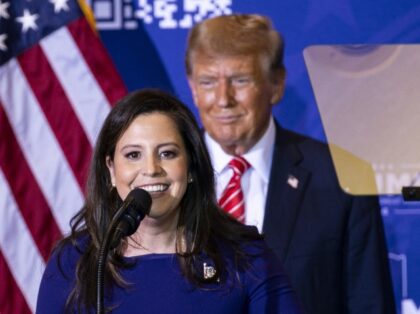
[208, 271]
[293, 181]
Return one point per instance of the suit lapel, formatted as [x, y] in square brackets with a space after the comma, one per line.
[285, 192]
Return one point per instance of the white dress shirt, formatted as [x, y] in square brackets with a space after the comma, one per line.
[254, 181]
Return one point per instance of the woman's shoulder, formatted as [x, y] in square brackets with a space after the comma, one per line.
[73, 245]
[66, 254]
[252, 242]
[250, 247]
[60, 274]
[257, 253]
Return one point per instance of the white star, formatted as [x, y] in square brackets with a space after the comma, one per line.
[60, 5]
[27, 20]
[2, 40]
[3, 12]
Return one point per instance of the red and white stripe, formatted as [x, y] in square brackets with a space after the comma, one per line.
[232, 199]
[53, 100]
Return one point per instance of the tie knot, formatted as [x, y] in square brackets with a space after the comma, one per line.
[239, 165]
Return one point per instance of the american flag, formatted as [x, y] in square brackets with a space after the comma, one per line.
[57, 84]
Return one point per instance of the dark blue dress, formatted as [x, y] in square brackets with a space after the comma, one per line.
[157, 286]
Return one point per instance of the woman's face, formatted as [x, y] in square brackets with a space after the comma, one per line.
[151, 155]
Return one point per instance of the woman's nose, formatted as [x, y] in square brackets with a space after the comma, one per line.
[151, 166]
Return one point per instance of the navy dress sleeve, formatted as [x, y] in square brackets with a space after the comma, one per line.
[57, 281]
[269, 289]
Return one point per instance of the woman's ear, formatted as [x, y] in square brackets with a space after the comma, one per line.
[190, 178]
[110, 165]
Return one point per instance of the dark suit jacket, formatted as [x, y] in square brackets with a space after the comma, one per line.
[332, 244]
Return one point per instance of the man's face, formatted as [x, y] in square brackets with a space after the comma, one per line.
[234, 96]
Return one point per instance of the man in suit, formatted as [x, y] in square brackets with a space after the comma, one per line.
[332, 244]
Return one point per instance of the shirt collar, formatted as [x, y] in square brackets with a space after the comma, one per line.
[259, 156]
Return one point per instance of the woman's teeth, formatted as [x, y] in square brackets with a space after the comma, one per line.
[155, 188]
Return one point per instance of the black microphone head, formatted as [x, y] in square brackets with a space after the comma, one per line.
[140, 199]
[136, 206]
[127, 219]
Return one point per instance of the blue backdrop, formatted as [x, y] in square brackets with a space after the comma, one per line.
[146, 39]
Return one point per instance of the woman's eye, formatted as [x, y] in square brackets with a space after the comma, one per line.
[167, 154]
[132, 155]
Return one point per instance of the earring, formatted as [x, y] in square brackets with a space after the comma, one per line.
[190, 180]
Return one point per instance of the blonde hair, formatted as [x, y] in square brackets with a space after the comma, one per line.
[237, 35]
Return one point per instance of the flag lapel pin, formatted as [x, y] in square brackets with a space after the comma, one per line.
[293, 181]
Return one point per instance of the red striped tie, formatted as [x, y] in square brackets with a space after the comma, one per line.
[232, 199]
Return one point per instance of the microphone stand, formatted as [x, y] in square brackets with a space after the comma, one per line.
[102, 258]
[124, 223]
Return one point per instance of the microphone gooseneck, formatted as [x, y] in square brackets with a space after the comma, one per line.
[125, 222]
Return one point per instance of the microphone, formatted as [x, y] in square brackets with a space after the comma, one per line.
[124, 223]
[134, 208]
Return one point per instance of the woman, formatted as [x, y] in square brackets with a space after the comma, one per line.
[186, 256]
